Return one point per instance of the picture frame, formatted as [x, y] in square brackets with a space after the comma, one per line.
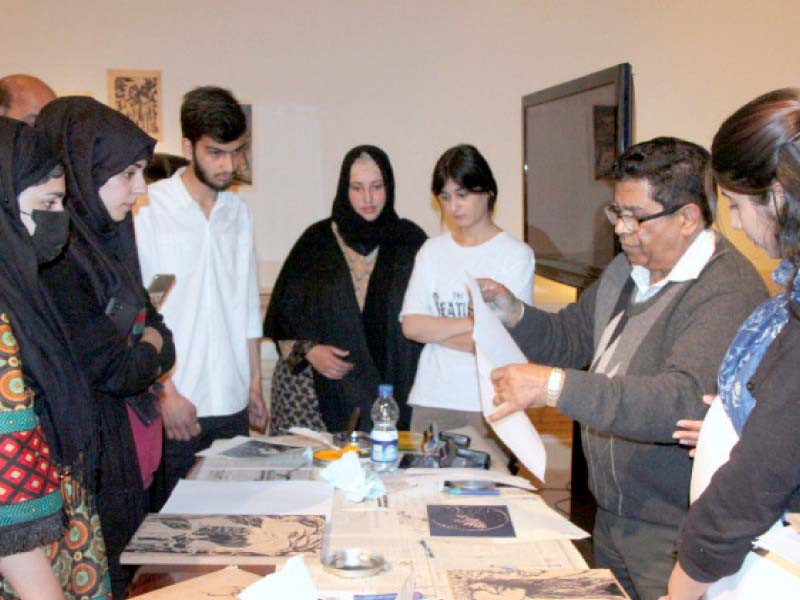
[243, 176]
[138, 95]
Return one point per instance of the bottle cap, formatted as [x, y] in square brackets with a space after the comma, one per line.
[385, 390]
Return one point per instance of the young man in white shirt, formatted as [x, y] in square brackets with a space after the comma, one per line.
[196, 230]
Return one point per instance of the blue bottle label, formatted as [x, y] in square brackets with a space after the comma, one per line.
[384, 446]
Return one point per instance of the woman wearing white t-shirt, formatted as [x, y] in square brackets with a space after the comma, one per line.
[436, 308]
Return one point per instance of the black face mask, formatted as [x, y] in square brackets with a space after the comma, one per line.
[51, 233]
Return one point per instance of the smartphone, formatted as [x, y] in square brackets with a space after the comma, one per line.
[159, 288]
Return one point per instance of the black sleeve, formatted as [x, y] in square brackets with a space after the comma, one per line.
[750, 492]
[646, 406]
[111, 363]
[166, 358]
[287, 317]
[562, 339]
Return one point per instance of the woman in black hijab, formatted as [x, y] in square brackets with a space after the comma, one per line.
[334, 309]
[119, 338]
[47, 480]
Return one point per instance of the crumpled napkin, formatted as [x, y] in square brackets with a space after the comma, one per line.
[292, 581]
[348, 475]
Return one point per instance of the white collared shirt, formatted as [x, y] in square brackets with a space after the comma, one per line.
[688, 267]
[213, 308]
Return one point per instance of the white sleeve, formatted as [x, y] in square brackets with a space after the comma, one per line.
[419, 292]
[254, 327]
[145, 244]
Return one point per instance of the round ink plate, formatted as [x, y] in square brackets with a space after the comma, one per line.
[353, 563]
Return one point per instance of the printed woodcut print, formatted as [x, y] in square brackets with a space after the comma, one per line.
[223, 539]
[469, 520]
[534, 584]
[604, 121]
[255, 449]
[137, 94]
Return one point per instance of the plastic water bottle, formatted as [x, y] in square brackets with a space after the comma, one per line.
[384, 413]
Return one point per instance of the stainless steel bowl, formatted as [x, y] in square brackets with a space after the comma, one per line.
[353, 563]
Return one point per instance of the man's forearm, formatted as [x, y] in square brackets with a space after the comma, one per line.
[254, 352]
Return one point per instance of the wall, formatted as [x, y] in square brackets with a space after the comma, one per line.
[413, 77]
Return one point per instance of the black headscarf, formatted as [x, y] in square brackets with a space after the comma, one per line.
[313, 299]
[32, 160]
[62, 397]
[358, 233]
[95, 143]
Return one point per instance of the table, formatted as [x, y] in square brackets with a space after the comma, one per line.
[398, 530]
[396, 527]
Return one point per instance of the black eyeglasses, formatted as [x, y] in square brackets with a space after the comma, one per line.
[631, 222]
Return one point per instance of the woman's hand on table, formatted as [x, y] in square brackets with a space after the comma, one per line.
[689, 429]
[327, 360]
[178, 413]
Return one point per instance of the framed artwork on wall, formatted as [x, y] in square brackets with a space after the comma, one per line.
[243, 175]
[572, 133]
[137, 94]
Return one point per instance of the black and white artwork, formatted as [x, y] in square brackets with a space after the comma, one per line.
[515, 584]
[604, 121]
[223, 539]
[469, 520]
[137, 94]
[243, 175]
[255, 449]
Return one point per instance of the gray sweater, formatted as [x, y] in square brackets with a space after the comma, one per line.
[669, 349]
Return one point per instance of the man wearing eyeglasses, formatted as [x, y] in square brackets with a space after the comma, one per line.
[652, 331]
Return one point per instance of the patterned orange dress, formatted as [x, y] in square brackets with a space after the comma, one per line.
[38, 505]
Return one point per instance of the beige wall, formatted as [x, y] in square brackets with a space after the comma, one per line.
[412, 76]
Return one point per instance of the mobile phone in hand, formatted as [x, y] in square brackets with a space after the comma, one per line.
[159, 289]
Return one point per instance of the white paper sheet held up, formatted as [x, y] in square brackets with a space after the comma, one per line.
[717, 439]
[494, 348]
[250, 498]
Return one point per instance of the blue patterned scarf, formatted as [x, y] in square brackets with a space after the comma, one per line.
[750, 344]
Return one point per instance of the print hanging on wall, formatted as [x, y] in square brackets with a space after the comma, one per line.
[137, 94]
[243, 173]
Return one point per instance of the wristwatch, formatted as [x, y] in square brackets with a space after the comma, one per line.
[554, 384]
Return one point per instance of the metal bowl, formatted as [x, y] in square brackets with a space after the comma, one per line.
[353, 563]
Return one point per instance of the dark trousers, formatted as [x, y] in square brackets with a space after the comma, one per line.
[179, 456]
[640, 554]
